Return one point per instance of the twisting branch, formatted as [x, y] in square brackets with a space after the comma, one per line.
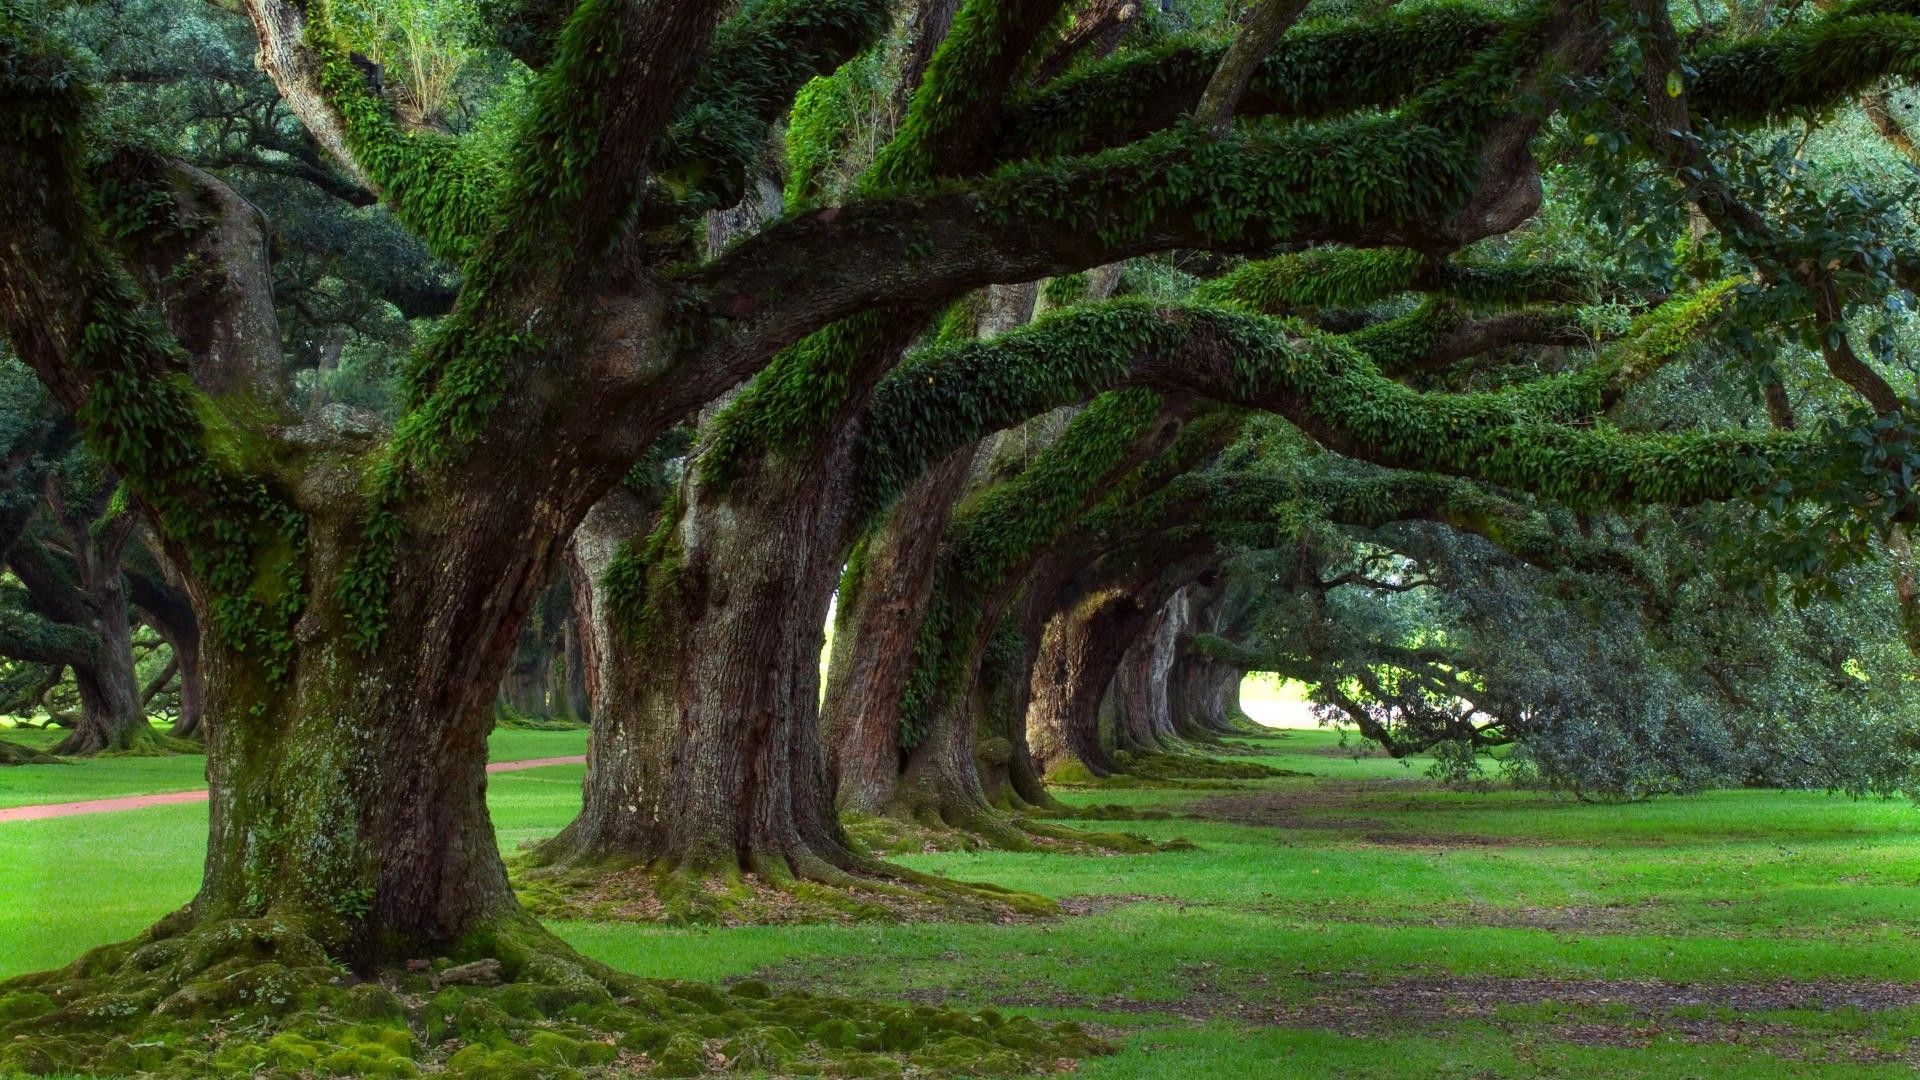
[1097, 29]
[1521, 437]
[1265, 25]
[1671, 136]
[1462, 148]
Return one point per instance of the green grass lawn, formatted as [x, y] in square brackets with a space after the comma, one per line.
[1357, 922]
[111, 777]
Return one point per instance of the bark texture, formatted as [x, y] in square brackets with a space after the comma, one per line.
[706, 753]
[881, 604]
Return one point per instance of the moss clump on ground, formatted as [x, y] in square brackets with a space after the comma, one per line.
[156, 744]
[1166, 770]
[259, 998]
[12, 753]
[638, 892]
[1193, 767]
[1021, 831]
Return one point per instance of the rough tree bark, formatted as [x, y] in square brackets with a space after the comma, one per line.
[1204, 691]
[706, 754]
[881, 603]
[1141, 692]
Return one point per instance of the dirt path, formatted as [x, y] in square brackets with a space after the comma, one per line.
[140, 802]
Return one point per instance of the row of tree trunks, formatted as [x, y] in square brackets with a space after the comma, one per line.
[1168, 692]
[877, 635]
[1205, 692]
[1095, 620]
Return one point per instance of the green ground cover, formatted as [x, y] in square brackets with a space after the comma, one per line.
[112, 777]
[1355, 922]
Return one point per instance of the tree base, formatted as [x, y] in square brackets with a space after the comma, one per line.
[627, 891]
[261, 998]
[145, 742]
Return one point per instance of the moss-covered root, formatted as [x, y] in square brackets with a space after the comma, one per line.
[259, 998]
[616, 891]
[12, 753]
[143, 741]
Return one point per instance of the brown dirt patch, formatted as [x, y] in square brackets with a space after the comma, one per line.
[1621, 918]
[1100, 904]
[1600, 1012]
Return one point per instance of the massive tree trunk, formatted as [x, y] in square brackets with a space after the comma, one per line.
[1008, 773]
[1142, 710]
[705, 751]
[1206, 696]
[1078, 654]
[881, 603]
[112, 709]
[930, 773]
[1204, 691]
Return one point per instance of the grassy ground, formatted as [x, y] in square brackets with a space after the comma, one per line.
[110, 777]
[1357, 922]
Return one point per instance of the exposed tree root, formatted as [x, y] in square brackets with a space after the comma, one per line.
[261, 998]
[629, 891]
[144, 742]
[12, 753]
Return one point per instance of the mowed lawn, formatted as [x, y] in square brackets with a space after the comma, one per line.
[1354, 922]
